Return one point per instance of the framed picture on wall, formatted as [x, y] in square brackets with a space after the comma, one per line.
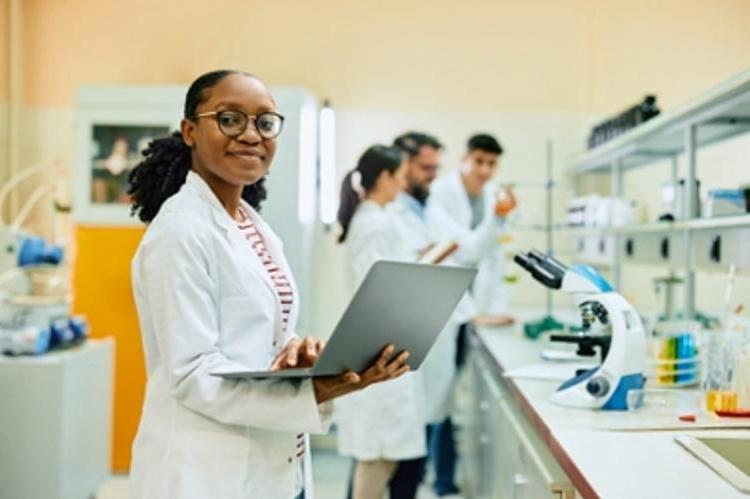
[114, 125]
[115, 150]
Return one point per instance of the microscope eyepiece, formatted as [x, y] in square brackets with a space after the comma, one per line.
[522, 259]
[534, 262]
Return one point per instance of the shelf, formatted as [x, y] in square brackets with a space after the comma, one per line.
[717, 222]
[537, 227]
[722, 113]
[650, 228]
[666, 227]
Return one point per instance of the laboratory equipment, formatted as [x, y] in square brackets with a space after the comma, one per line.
[624, 121]
[723, 202]
[727, 357]
[609, 323]
[30, 340]
[34, 294]
[673, 354]
[597, 211]
[535, 328]
[674, 199]
[742, 372]
[667, 284]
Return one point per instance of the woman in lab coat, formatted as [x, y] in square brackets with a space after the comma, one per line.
[383, 424]
[214, 291]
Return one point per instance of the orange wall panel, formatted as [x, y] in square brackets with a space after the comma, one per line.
[102, 292]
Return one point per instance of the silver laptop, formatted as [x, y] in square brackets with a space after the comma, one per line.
[404, 304]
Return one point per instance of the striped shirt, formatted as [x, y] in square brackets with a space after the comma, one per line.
[281, 284]
[285, 296]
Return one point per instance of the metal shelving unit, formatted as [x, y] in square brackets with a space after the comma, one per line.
[666, 227]
[717, 115]
[720, 114]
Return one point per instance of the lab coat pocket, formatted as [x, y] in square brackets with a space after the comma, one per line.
[209, 459]
[247, 327]
[245, 305]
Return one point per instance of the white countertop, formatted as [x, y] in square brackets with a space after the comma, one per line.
[55, 357]
[599, 461]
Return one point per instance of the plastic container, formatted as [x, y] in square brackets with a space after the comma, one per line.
[673, 355]
[727, 380]
[505, 201]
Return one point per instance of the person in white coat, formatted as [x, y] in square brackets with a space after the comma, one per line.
[468, 207]
[439, 369]
[409, 211]
[383, 424]
[213, 290]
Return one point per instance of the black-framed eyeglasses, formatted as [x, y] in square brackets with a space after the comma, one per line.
[233, 123]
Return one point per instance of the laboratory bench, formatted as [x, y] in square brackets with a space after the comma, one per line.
[515, 443]
[56, 422]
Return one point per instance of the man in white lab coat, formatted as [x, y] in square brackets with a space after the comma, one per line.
[468, 207]
[438, 370]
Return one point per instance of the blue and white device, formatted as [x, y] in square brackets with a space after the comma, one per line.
[609, 322]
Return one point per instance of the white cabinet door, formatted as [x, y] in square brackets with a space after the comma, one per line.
[536, 474]
[504, 457]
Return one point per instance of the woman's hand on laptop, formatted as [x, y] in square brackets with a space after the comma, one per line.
[383, 369]
[298, 353]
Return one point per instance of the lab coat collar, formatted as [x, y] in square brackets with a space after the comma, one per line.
[218, 212]
[411, 203]
[367, 205]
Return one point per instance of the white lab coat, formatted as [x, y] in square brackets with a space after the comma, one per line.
[205, 302]
[449, 216]
[385, 420]
[439, 368]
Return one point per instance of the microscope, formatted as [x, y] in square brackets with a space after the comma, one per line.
[609, 323]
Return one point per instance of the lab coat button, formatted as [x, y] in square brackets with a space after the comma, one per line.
[289, 460]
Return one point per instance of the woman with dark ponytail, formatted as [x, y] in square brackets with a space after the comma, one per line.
[385, 424]
[214, 292]
[378, 176]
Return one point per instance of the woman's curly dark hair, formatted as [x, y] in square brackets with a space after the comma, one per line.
[167, 161]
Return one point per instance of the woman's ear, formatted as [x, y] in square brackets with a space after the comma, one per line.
[187, 127]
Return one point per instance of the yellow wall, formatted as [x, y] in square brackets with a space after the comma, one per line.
[674, 48]
[364, 53]
[4, 81]
[565, 55]
[4, 35]
[103, 293]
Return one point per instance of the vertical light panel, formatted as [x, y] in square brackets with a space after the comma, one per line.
[308, 158]
[329, 201]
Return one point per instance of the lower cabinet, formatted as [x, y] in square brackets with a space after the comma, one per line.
[501, 454]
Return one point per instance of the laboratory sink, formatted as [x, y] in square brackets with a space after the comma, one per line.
[728, 454]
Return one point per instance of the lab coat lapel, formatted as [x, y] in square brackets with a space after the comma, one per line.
[240, 247]
[489, 192]
[412, 227]
[463, 205]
